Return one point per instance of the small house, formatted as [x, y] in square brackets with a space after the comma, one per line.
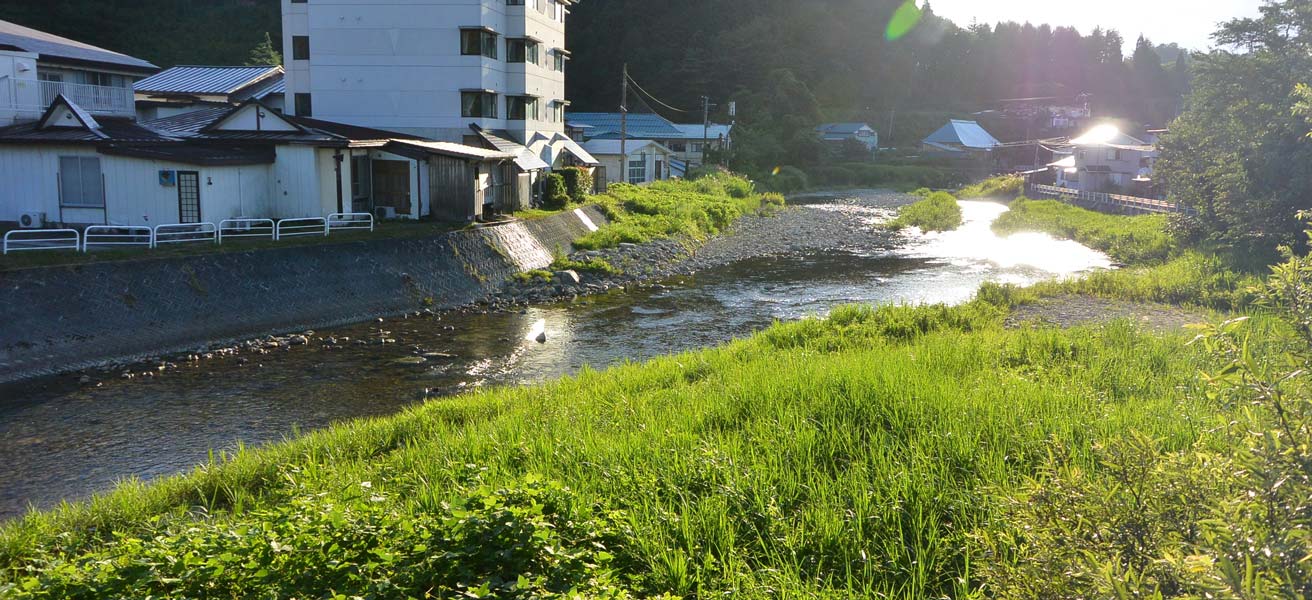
[1108, 160]
[860, 133]
[638, 162]
[960, 139]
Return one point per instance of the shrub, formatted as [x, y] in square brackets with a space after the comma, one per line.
[1003, 187]
[938, 212]
[786, 180]
[557, 193]
[737, 187]
[578, 183]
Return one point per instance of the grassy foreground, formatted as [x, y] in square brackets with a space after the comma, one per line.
[848, 456]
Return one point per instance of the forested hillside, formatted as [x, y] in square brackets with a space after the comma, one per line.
[787, 63]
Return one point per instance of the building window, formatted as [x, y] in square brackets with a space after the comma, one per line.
[556, 114]
[482, 105]
[300, 47]
[1113, 154]
[304, 106]
[80, 182]
[476, 42]
[361, 177]
[638, 169]
[541, 5]
[521, 108]
[521, 50]
[514, 2]
[558, 61]
[695, 147]
[299, 1]
[678, 146]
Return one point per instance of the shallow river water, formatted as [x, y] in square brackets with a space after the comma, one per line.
[67, 437]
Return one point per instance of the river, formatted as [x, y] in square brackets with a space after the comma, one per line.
[67, 437]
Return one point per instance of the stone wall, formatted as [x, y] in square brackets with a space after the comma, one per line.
[68, 318]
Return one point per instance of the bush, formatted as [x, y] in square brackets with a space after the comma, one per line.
[786, 180]
[938, 212]
[557, 193]
[578, 183]
[1003, 187]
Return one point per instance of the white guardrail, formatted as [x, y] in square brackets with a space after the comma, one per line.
[114, 236]
[300, 227]
[186, 233]
[248, 229]
[140, 236]
[20, 240]
[350, 222]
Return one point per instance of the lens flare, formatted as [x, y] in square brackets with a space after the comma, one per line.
[776, 170]
[904, 20]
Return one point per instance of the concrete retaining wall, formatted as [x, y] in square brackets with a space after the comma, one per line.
[68, 318]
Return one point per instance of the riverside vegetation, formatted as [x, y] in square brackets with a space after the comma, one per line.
[911, 452]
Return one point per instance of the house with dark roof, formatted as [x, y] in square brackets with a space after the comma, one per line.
[860, 133]
[76, 168]
[187, 88]
[960, 139]
[36, 67]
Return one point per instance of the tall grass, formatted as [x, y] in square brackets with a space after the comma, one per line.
[1138, 239]
[939, 211]
[842, 457]
[1002, 187]
[696, 209]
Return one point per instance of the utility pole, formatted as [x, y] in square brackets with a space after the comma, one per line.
[706, 127]
[624, 121]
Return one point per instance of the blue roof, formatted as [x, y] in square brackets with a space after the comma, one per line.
[963, 133]
[640, 126]
[843, 128]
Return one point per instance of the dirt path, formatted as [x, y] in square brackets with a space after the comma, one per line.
[1071, 310]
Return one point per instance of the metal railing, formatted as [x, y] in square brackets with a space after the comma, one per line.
[350, 222]
[115, 235]
[18, 240]
[186, 233]
[247, 228]
[94, 98]
[1101, 200]
[301, 227]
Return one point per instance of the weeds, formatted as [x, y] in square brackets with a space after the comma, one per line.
[939, 211]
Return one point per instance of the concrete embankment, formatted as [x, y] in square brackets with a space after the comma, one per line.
[62, 319]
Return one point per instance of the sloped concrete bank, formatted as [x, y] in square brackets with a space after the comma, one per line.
[61, 319]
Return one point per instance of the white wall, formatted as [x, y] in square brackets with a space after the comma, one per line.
[398, 65]
[617, 171]
[20, 98]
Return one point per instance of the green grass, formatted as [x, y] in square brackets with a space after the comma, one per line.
[1002, 187]
[695, 209]
[1139, 239]
[939, 211]
[847, 457]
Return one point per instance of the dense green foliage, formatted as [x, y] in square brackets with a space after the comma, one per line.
[1239, 154]
[696, 209]
[578, 183]
[556, 195]
[1140, 239]
[1002, 187]
[851, 456]
[939, 211]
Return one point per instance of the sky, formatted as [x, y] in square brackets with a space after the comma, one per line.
[1189, 23]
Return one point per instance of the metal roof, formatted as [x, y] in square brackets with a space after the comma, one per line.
[574, 148]
[640, 125]
[525, 159]
[204, 80]
[697, 131]
[843, 128]
[457, 150]
[963, 133]
[55, 48]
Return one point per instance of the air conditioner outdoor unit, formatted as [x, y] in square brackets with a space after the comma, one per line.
[384, 212]
[32, 220]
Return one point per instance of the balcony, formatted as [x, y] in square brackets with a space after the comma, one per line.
[27, 99]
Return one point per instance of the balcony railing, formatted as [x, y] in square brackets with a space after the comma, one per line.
[97, 99]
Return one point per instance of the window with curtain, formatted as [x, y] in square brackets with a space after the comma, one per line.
[521, 108]
[481, 105]
[80, 182]
[475, 42]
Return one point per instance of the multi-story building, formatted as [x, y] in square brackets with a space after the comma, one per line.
[432, 68]
[37, 67]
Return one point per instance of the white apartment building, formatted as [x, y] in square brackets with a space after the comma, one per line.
[431, 67]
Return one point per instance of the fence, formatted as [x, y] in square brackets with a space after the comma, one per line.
[350, 222]
[247, 228]
[186, 233]
[1100, 201]
[20, 240]
[299, 227]
[114, 236]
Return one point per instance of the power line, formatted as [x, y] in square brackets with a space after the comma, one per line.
[655, 99]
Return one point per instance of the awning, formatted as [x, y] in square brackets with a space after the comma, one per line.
[524, 158]
[576, 150]
[445, 149]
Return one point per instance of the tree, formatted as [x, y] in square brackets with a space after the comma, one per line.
[264, 53]
[1239, 154]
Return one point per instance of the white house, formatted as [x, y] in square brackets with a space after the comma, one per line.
[432, 68]
[860, 133]
[687, 142]
[37, 67]
[189, 88]
[232, 161]
[643, 161]
[1111, 161]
